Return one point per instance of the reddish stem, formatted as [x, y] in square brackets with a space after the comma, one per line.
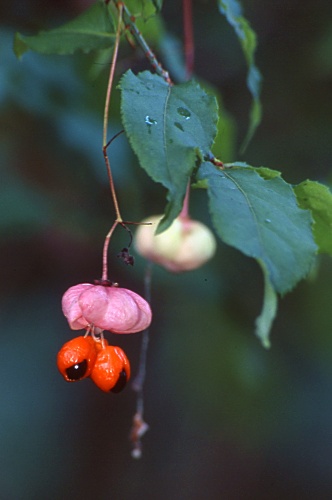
[106, 112]
[189, 65]
[105, 251]
[217, 163]
[184, 214]
[189, 50]
[112, 186]
[129, 21]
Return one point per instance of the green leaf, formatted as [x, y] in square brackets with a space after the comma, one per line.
[269, 311]
[267, 173]
[224, 142]
[261, 218]
[167, 126]
[92, 30]
[144, 8]
[158, 4]
[255, 117]
[318, 198]
[232, 10]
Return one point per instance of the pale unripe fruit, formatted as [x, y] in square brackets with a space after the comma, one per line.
[186, 245]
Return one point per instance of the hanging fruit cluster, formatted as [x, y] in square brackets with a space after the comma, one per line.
[90, 356]
[97, 308]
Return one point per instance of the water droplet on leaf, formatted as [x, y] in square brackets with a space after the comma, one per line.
[149, 122]
[179, 126]
[185, 113]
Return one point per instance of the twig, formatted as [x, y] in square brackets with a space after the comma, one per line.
[189, 49]
[189, 65]
[106, 113]
[139, 426]
[105, 252]
[129, 21]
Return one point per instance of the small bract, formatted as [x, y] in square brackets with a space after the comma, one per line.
[111, 308]
[186, 245]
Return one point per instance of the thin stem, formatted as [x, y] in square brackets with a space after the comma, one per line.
[129, 21]
[106, 114]
[111, 75]
[139, 426]
[140, 378]
[105, 251]
[189, 52]
[112, 187]
[138, 383]
[184, 214]
[189, 49]
[217, 163]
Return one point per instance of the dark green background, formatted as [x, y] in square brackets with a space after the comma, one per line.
[228, 420]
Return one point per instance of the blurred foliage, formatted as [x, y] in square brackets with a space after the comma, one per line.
[227, 419]
[91, 30]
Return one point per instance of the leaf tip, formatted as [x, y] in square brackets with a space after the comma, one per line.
[163, 225]
[266, 343]
[19, 46]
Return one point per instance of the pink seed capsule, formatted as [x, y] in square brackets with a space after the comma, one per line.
[111, 308]
[186, 245]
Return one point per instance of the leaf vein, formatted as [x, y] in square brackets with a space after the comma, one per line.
[252, 210]
[168, 94]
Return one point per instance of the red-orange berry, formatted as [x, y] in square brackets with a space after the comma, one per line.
[76, 358]
[111, 370]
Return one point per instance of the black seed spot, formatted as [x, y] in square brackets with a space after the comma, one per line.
[121, 383]
[77, 371]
